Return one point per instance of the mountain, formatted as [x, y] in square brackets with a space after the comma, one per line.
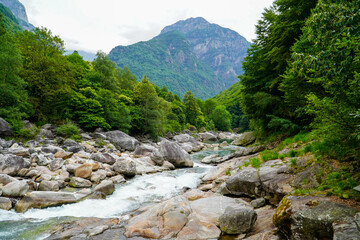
[192, 54]
[18, 9]
[10, 21]
[87, 56]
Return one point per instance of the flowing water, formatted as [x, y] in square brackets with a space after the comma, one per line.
[139, 191]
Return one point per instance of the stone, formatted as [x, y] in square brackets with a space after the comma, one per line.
[5, 179]
[258, 203]
[42, 199]
[121, 140]
[98, 176]
[64, 155]
[211, 159]
[357, 188]
[15, 189]
[51, 149]
[183, 138]
[19, 151]
[5, 129]
[244, 139]
[48, 186]
[173, 153]
[118, 179]
[77, 182]
[106, 186]
[208, 137]
[72, 166]
[349, 228]
[11, 164]
[144, 150]
[103, 158]
[127, 167]
[40, 159]
[224, 144]
[309, 217]
[83, 171]
[237, 219]
[56, 164]
[5, 204]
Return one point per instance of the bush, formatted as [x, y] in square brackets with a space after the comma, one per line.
[255, 162]
[68, 130]
[269, 155]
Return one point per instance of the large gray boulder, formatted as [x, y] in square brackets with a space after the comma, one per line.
[56, 164]
[309, 217]
[44, 199]
[125, 166]
[244, 139]
[77, 182]
[237, 219]
[106, 186]
[173, 153]
[15, 189]
[5, 129]
[11, 164]
[103, 158]
[144, 150]
[48, 186]
[5, 179]
[349, 228]
[5, 203]
[121, 140]
[208, 137]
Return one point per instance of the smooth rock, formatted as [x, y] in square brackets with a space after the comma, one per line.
[144, 150]
[121, 140]
[41, 199]
[5, 204]
[83, 171]
[15, 189]
[103, 158]
[208, 137]
[258, 203]
[56, 164]
[244, 139]
[211, 159]
[127, 167]
[237, 219]
[11, 164]
[349, 228]
[106, 186]
[40, 159]
[5, 179]
[5, 129]
[98, 176]
[64, 155]
[51, 149]
[48, 186]
[77, 182]
[118, 179]
[173, 153]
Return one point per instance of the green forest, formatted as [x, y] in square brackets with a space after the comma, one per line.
[301, 74]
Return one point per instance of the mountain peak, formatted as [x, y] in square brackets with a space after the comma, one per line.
[19, 11]
[187, 25]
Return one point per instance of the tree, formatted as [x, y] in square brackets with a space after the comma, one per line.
[192, 110]
[47, 73]
[221, 118]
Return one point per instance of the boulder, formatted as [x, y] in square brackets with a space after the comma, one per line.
[349, 228]
[103, 158]
[258, 203]
[19, 151]
[5, 204]
[125, 166]
[211, 159]
[118, 179]
[11, 164]
[83, 171]
[144, 150]
[309, 217]
[237, 219]
[15, 189]
[72, 166]
[42, 199]
[183, 138]
[244, 139]
[48, 186]
[51, 149]
[98, 176]
[106, 186]
[40, 159]
[64, 155]
[56, 164]
[208, 137]
[5, 129]
[122, 141]
[77, 182]
[173, 153]
[5, 179]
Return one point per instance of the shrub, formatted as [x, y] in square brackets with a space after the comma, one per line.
[68, 130]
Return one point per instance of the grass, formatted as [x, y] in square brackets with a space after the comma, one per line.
[255, 162]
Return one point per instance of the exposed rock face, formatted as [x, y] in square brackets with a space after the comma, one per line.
[19, 12]
[11, 164]
[122, 141]
[44, 199]
[237, 219]
[173, 153]
[270, 180]
[244, 139]
[193, 215]
[5, 129]
[308, 217]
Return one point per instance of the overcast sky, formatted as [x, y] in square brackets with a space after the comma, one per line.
[93, 25]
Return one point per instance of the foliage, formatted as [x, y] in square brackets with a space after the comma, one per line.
[68, 130]
[221, 118]
[193, 113]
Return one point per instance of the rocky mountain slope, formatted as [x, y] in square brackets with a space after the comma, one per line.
[189, 55]
[18, 9]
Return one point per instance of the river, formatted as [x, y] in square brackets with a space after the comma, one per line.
[137, 192]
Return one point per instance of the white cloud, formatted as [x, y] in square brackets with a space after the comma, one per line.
[92, 25]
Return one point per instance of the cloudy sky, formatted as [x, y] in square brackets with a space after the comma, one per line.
[93, 25]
